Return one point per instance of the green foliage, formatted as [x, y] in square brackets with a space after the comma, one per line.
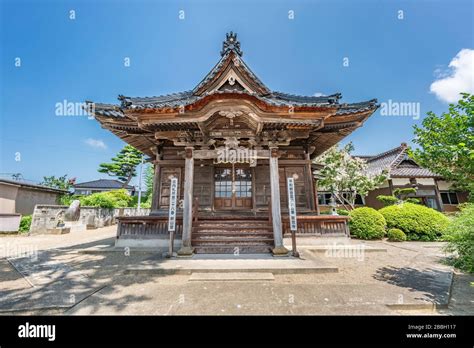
[387, 200]
[346, 176]
[25, 223]
[62, 182]
[366, 223]
[447, 144]
[66, 199]
[413, 200]
[124, 165]
[149, 175]
[111, 199]
[343, 212]
[147, 202]
[396, 235]
[460, 237]
[416, 221]
[403, 193]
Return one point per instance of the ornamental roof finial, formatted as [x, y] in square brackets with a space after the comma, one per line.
[231, 44]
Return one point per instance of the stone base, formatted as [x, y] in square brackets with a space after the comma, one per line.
[280, 251]
[59, 230]
[185, 252]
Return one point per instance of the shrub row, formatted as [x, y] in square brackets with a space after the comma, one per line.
[406, 221]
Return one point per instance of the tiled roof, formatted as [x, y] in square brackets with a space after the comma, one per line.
[397, 162]
[32, 186]
[275, 98]
[102, 184]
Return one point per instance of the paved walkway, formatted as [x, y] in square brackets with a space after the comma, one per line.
[380, 278]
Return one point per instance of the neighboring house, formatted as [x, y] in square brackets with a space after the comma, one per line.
[431, 189]
[101, 185]
[18, 197]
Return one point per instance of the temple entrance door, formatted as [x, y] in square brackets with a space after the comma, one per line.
[233, 187]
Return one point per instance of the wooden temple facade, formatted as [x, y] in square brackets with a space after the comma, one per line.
[232, 143]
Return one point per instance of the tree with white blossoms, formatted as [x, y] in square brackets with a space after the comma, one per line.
[345, 176]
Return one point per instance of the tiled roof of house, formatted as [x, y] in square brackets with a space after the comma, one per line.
[102, 184]
[397, 162]
[32, 186]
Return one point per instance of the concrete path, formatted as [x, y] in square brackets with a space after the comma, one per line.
[378, 278]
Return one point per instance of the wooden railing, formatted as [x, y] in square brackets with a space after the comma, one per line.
[146, 227]
[323, 225]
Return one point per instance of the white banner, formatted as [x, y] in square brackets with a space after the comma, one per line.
[173, 199]
[292, 204]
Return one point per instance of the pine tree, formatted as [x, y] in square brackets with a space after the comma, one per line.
[124, 165]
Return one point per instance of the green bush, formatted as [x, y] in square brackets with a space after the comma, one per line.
[396, 235]
[416, 221]
[110, 199]
[366, 223]
[343, 212]
[460, 237]
[25, 223]
[387, 200]
[413, 200]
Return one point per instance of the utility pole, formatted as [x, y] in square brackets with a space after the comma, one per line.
[140, 185]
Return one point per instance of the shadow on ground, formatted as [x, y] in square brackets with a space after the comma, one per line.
[61, 278]
[434, 284]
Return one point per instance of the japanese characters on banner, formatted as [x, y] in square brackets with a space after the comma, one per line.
[292, 204]
[173, 199]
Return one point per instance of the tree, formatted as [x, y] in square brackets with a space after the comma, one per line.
[149, 176]
[399, 196]
[447, 144]
[123, 165]
[62, 182]
[346, 176]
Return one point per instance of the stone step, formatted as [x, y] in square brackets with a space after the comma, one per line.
[243, 225]
[233, 241]
[232, 231]
[233, 249]
[249, 234]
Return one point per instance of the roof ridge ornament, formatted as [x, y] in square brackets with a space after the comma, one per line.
[231, 44]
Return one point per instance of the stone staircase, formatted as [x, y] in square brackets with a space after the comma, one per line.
[250, 235]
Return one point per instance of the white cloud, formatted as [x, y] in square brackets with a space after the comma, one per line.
[459, 77]
[318, 94]
[97, 143]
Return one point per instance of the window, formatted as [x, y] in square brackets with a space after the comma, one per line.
[449, 197]
[324, 198]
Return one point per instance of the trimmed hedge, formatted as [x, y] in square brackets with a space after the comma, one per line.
[367, 223]
[416, 221]
[396, 235]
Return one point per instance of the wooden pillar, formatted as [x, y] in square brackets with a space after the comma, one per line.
[279, 249]
[186, 248]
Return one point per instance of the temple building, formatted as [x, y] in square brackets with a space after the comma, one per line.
[232, 143]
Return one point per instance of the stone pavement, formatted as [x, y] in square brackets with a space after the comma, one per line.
[377, 278]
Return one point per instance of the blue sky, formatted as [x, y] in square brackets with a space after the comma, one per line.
[83, 59]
